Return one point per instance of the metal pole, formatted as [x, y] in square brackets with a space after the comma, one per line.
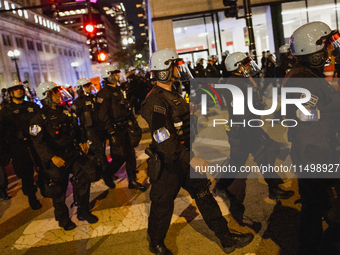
[249, 23]
[219, 32]
[16, 67]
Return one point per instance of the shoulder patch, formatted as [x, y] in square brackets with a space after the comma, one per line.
[67, 113]
[88, 103]
[160, 135]
[16, 111]
[312, 101]
[159, 109]
[43, 116]
[34, 130]
[30, 109]
[176, 102]
[74, 107]
[99, 100]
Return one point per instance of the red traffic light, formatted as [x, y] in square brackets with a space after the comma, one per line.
[89, 28]
[102, 57]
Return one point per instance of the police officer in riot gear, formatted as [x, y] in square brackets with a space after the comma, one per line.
[211, 70]
[286, 62]
[57, 139]
[199, 69]
[85, 109]
[168, 117]
[15, 120]
[314, 138]
[245, 140]
[118, 120]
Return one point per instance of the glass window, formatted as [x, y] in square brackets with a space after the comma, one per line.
[322, 11]
[47, 48]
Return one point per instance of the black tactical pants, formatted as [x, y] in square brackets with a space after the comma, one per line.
[164, 191]
[98, 146]
[122, 151]
[3, 178]
[24, 158]
[254, 141]
[315, 206]
[76, 165]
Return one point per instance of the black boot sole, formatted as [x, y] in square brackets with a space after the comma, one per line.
[228, 250]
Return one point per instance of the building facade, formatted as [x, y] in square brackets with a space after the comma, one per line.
[47, 49]
[198, 28]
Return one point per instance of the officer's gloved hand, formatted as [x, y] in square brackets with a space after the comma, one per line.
[58, 161]
[84, 147]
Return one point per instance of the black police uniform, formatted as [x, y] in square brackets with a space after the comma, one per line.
[15, 119]
[269, 73]
[54, 133]
[199, 71]
[314, 142]
[4, 161]
[212, 72]
[85, 108]
[116, 116]
[245, 140]
[162, 109]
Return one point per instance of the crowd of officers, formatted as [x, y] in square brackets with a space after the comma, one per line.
[58, 140]
[68, 135]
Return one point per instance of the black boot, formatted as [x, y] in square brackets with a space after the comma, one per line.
[67, 224]
[159, 249]
[278, 193]
[232, 241]
[87, 215]
[34, 202]
[133, 184]
[4, 195]
[109, 181]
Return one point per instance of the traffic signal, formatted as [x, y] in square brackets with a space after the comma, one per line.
[232, 11]
[102, 56]
[89, 28]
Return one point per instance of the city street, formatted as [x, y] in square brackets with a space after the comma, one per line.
[123, 215]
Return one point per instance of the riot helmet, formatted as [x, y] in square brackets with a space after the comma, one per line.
[109, 73]
[49, 93]
[164, 64]
[14, 86]
[85, 86]
[238, 62]
[309, 43]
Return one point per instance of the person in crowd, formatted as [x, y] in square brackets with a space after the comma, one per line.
[62, 149]
[315, 139]
[168, 117]
[15, 121]
[119, 122]
[85, 109]
[245, 140]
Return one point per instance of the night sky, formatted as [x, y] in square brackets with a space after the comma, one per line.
[131, 12]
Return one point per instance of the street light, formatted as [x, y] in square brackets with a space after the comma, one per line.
[74, 65]
[14, 55]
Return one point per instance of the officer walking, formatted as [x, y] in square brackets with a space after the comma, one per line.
[15, 120]
[118, 120]
[168, 117]
[56, 138]
[199, 69]
[85, 109]
[314, 139]
[245, 140]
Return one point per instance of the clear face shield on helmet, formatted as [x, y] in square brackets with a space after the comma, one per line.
[183, 72]
[89, 88]
[60, 95]
[334, 39]
[249, 67]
